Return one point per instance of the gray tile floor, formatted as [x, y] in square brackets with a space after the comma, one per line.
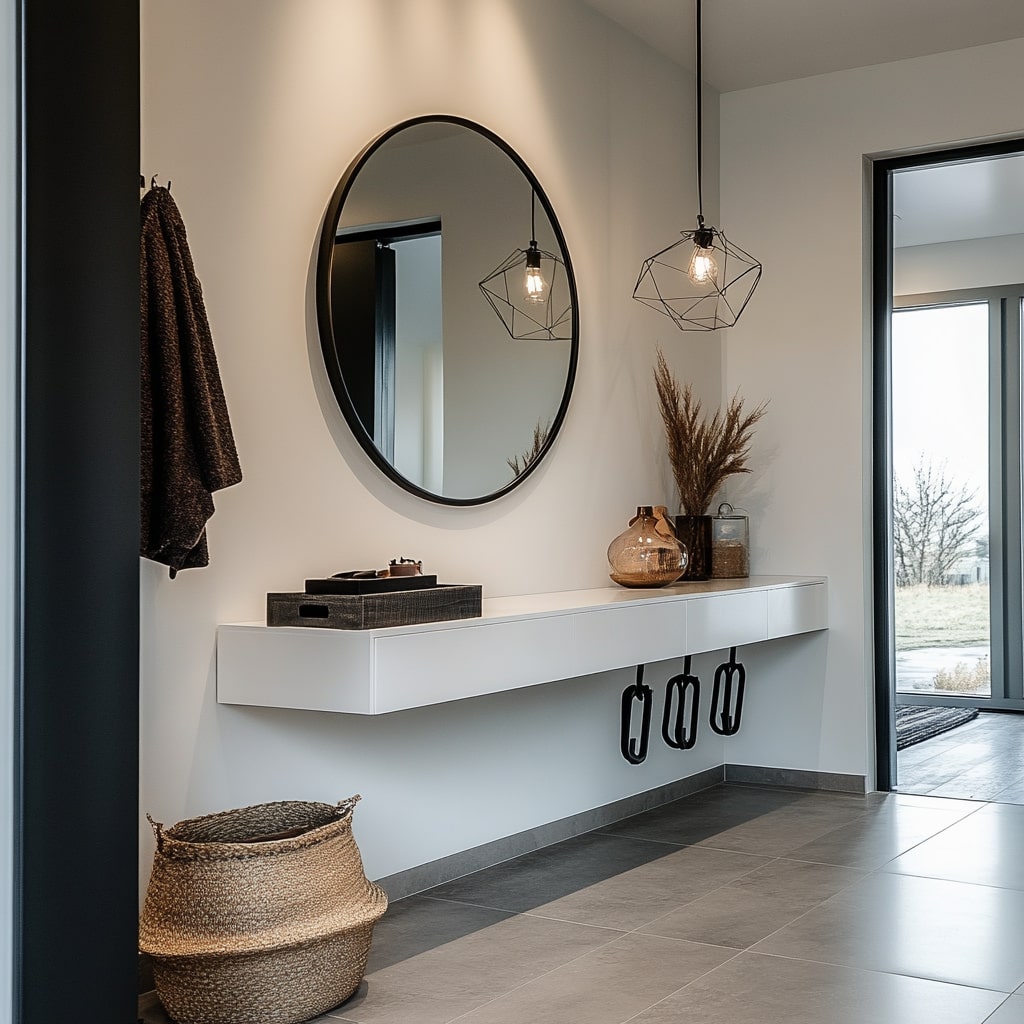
[981, 760]
[734, 906]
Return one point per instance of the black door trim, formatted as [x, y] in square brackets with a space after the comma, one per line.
[76, 675]
[881, 477]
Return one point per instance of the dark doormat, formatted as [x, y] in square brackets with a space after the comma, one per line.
[915, 722]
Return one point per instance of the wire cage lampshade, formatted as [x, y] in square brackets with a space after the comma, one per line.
[703, 281]
[529, 291]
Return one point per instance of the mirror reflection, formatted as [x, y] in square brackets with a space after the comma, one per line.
[447, 311]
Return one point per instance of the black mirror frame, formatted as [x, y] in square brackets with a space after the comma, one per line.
[326, 326]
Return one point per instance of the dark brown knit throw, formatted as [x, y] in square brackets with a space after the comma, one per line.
[188, 451]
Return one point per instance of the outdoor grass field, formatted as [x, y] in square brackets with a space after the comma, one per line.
[941, 616]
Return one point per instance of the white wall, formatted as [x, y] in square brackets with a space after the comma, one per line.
[254, 108]
[792, 191]
[8, 486]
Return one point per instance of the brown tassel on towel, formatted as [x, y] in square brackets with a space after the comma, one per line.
[188, 450]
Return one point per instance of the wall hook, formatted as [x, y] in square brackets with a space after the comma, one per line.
[726, 721]
[678, 734]
[635, 751]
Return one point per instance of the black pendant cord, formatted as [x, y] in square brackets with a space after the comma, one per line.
[700, 127]
[701, 282]
[533, 219]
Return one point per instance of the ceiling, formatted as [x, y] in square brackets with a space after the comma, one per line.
[949, 202]
[748, 43]
[757, 42]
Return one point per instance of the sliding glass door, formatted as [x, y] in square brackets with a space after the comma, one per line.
[955, 497]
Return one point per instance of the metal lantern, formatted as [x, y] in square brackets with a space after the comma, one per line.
[529, 291]
[703, 281]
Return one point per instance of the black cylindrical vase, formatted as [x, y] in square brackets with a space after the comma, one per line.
[695, 533]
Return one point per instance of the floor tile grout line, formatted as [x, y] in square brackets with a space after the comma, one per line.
[646, 839]
[941, 878]
[718, 888]
[824, 963]
[945, 828]
[1019, 784]
[554, 970]
[683, 988]
[528, 913]
[900, 854]
[619, 934]
[997, 1009]
[871, 970]
[810, 910]
[543, 974]
[862, 873]
[639, 929]
[705, 845]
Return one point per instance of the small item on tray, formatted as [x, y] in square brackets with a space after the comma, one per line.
[401, 567]
[404, 567]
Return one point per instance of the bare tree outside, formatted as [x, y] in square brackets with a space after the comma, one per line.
[935, 524]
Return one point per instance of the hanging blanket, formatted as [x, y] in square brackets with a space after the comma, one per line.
[188, 451]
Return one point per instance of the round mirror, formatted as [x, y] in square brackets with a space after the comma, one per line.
[447, 310]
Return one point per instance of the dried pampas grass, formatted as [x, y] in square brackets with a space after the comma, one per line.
[702, 452]
[520, 463]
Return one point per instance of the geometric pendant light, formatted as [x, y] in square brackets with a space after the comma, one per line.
[529, 292]
[703, 281]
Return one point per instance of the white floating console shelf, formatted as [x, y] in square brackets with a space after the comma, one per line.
[518, 641]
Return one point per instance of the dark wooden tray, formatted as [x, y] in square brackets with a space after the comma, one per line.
[369, 585]
[442, 603]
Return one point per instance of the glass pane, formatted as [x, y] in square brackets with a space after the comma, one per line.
[940, 430]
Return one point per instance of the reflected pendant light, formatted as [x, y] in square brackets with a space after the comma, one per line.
[529, 292]
[703, 281]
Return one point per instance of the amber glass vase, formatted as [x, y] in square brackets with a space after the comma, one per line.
[646, 554]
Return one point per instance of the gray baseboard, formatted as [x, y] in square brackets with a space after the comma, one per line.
[794, 778]
[426, 876]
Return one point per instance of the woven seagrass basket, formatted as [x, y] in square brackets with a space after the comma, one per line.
[260, 914]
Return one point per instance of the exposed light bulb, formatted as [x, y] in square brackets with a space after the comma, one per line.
[534, 285]
[703, 270]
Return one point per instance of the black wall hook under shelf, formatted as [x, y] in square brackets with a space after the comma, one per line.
[677, 733]
[635, 751]
[727, 697]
